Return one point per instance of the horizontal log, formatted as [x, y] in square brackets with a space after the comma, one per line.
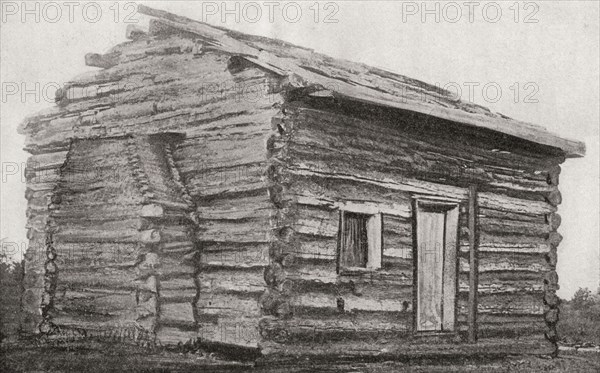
[312, 302]
[105, 224]
[227, 150]
[359, 326]
[176, 313]
[213, 182]
[103, 61]
[320, 190]
[503, 226]
[173, 335]
[131, 86]
[47, 161]
[92, 323]
[124, 235]
[508, 304]
[512, 216]
[408, 347]
[47, 139]
[185, 295]
[101, 278]
[235, 207]
[253, 230]
[43, 176]
[326, 272]
[227, 306]
[233, 281]
[396, 132]
[335, 161]
[134, 32]
[248, 255]
[179, 113]
[126, 118]
[378, 287]
[509, 247]
[508, 241]
[315, 222]
[232, 331]
[510, 204]
[85, 255]
[503, 262]
[488, 200]
[396, 264]
[516, 330]
[95, 302]
[490, 283]
[365, 145]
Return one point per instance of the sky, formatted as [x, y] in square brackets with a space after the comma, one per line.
[533, 61]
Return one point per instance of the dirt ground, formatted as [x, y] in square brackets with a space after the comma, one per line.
[116, 358]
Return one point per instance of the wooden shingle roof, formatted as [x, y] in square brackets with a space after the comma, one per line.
[329, 76]
[313, 73]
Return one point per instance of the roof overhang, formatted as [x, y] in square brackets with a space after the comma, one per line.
[302, 66]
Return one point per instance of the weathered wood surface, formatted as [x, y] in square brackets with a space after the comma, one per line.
[360, 82]
[144, 198]
[320, 171]
[406, 347]
[236, 216]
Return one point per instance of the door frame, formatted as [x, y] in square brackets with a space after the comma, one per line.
[442, 205]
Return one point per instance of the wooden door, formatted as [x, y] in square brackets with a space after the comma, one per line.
[436, 266]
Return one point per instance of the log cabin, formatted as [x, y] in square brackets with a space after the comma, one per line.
[210, 186]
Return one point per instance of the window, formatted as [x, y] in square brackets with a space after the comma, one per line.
[359, 240]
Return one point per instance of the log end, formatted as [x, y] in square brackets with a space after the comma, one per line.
[104, 61]
[134, 32]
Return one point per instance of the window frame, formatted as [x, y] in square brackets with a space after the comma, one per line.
[374, 228]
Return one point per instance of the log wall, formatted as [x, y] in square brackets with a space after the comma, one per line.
[329, 156]
[173, 196]
[149, 208]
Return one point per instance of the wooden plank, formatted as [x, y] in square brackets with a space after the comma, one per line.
[473, 263]
[430, 238]
[375, 244]
[450, 269]
[223, 41]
